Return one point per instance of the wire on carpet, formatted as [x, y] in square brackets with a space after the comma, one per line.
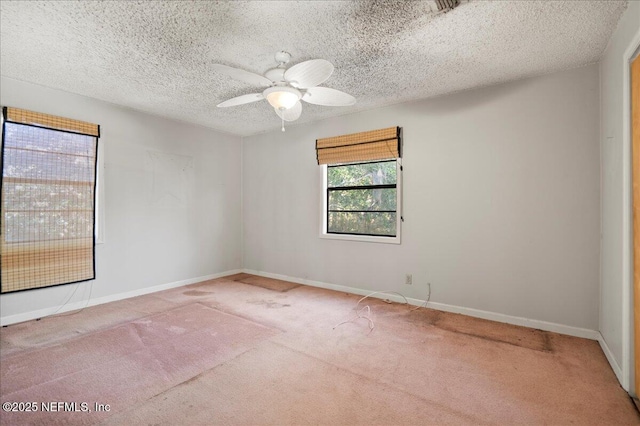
[424, 304]
[367, 308]
[69, 298]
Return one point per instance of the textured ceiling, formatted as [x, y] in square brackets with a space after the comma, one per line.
[156, 56]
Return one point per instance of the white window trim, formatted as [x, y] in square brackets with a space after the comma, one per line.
[361, 238]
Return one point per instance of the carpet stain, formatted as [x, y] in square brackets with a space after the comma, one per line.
[269, 304]
[636, 403]
[483, 329]
[547, 340]
[519, 342]
[197, 293]
[268, 283]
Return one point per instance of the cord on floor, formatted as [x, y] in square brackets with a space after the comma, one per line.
[367, 308]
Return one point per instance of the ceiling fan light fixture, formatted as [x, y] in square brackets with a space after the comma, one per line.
[282, 97]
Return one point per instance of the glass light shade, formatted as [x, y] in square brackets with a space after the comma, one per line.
[282, 97]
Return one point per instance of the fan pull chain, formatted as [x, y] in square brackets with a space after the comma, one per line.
[283, 124]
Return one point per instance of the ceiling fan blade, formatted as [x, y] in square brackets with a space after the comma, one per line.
[240, 100]
[309, 73]
[290, 114]
[242, 75]
[328, 97]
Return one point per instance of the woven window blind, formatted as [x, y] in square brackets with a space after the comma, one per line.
[382, 144]
[47, 200]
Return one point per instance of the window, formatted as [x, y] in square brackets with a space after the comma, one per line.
[361, 199]
[47, 200]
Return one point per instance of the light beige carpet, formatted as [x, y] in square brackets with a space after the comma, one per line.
[223, 352]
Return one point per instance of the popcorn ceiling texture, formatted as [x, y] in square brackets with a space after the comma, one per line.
[156, 56]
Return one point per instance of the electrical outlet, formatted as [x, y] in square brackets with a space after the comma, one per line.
[408, 279]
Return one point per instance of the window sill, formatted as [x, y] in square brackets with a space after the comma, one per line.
[361, 238]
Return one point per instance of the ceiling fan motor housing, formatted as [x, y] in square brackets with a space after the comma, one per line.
[276, 75]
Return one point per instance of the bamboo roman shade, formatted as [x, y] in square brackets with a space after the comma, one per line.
[382, 144]
[22, 116]
[48, 200]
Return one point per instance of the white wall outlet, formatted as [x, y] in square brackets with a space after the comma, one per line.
[408, 279]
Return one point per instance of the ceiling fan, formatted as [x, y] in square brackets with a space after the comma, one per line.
[284, 88]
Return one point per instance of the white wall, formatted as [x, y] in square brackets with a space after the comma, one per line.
[615, 192]
[501, 201]
[150, 240]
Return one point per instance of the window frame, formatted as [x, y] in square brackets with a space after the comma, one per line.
[359, 237]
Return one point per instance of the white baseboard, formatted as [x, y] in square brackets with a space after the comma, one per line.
[41, 313]
[612, 360]
[509, 319]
